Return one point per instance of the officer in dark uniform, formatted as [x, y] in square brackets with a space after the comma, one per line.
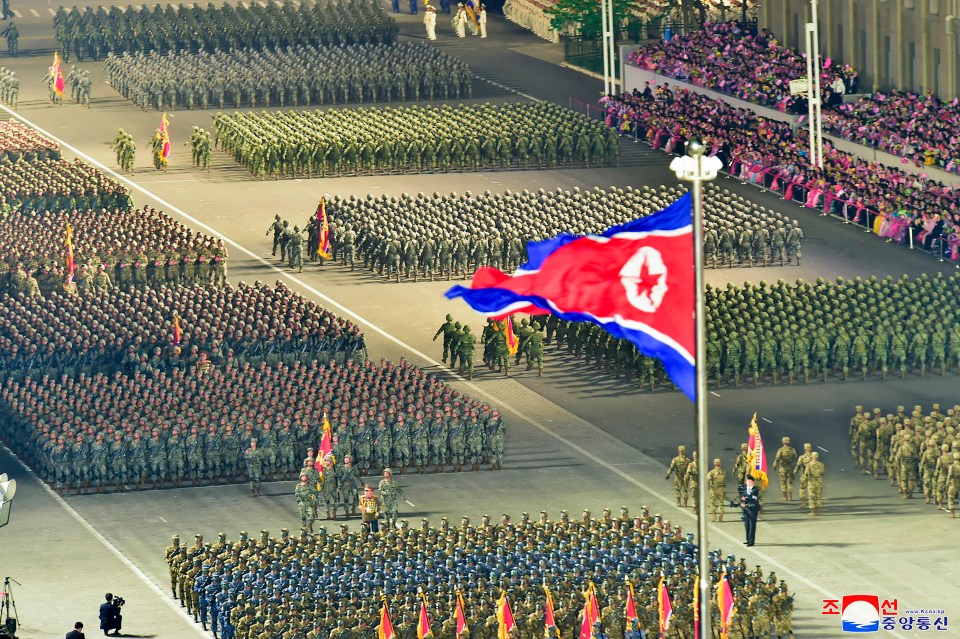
[750, 505]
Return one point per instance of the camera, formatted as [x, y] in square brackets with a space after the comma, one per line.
[119, 601]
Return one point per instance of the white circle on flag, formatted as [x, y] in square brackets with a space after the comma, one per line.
[644, 278]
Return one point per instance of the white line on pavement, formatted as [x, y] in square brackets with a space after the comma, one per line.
[51, 11]
[410, 349]
[163, 520]
[827, 410]
[410, 503]
[113, 549]
[766, 420]
[34, 13]
[715, 394]
[823, 449]
[16, 13]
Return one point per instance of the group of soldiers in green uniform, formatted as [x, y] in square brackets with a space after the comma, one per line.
[334, 584]
[135, 247]
[787, 463]
[50, 185]
[452, 235]
[289, 77]
[92, 33]
[916, 451]
[79, 83]
[336, 485]
[410, 139]
[18, 142]
[9, 88]
[459, 344]
[12, 34]
[289, 240]
[201, 147]
[126, 150]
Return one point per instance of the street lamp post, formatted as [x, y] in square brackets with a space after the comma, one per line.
[697, 169]
[813, 88]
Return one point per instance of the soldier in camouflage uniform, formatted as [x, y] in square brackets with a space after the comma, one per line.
[785, 463]
[678, 468]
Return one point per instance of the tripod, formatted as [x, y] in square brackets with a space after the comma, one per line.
[9, 626]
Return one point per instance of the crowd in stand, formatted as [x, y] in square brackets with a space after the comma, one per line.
[294, 76]
[47, 185]
[315, 586]
[408, 139]
[773, 155]
[447, 235]
[94, 32]
[140, 247]
[723, 57]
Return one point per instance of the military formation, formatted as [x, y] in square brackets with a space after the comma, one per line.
[119, 329]
[334, 583]
[919, 452]
[201, 147]
[92, 33]
[135, 247]
[19, 143]
[196, 419]
[79, 84]
[414, 139]
[48, 185]
[126, 150]
[288, 77]
[445, 236]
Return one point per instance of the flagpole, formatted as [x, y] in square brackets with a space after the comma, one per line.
[697, 169]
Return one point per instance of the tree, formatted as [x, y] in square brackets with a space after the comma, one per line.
[585, 15]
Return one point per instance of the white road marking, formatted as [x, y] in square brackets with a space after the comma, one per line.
[34, 13]
[766, 420]
[715, 394]
[410, 503]
[828, 410]
[823, 449]
[51, 11]
[716, 531]
[113, 549]
[163, 520]
[16, 12]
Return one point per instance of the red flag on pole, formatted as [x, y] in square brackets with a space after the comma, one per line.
[505, 617]
[177, 332]
[461, 616]
[513, 342]
[664, 607]
[423, 624]
[631, 605]
[385, 629]
[550, 630]
[326, 442]
[757, 454]
[71, 265]
[725, 604]
[591, 612]
[323, 247]
[57, 73]
[165, 136]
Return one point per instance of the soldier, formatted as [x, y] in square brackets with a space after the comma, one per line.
[306, 503]
[786, 464]
[467, 344]
[446, 329]
[678, 468]
[813, 471]
[253, 457]
[741, 464]
[802, 461]
[690, 480]
[717, 485]
[390, 494]
[953, 484]
[171, 556]
[535, 349]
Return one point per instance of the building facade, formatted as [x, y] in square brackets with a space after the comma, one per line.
[902, 44]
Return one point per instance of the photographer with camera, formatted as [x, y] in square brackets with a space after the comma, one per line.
[750, 508]
[110, 618]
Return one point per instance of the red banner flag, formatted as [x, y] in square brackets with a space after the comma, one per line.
[513, 342]
[57, 73]
[165, 136]
[461, 616]
[550, 630]
[505, 617]
[696, 606]
[725, 604]
[326, 443]
[71, 265]
[631, 605]
[323, 247]
[385, 629]
[664, 608]
[423, 624]
[591, 612]
[177, 333]
[757, 455]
